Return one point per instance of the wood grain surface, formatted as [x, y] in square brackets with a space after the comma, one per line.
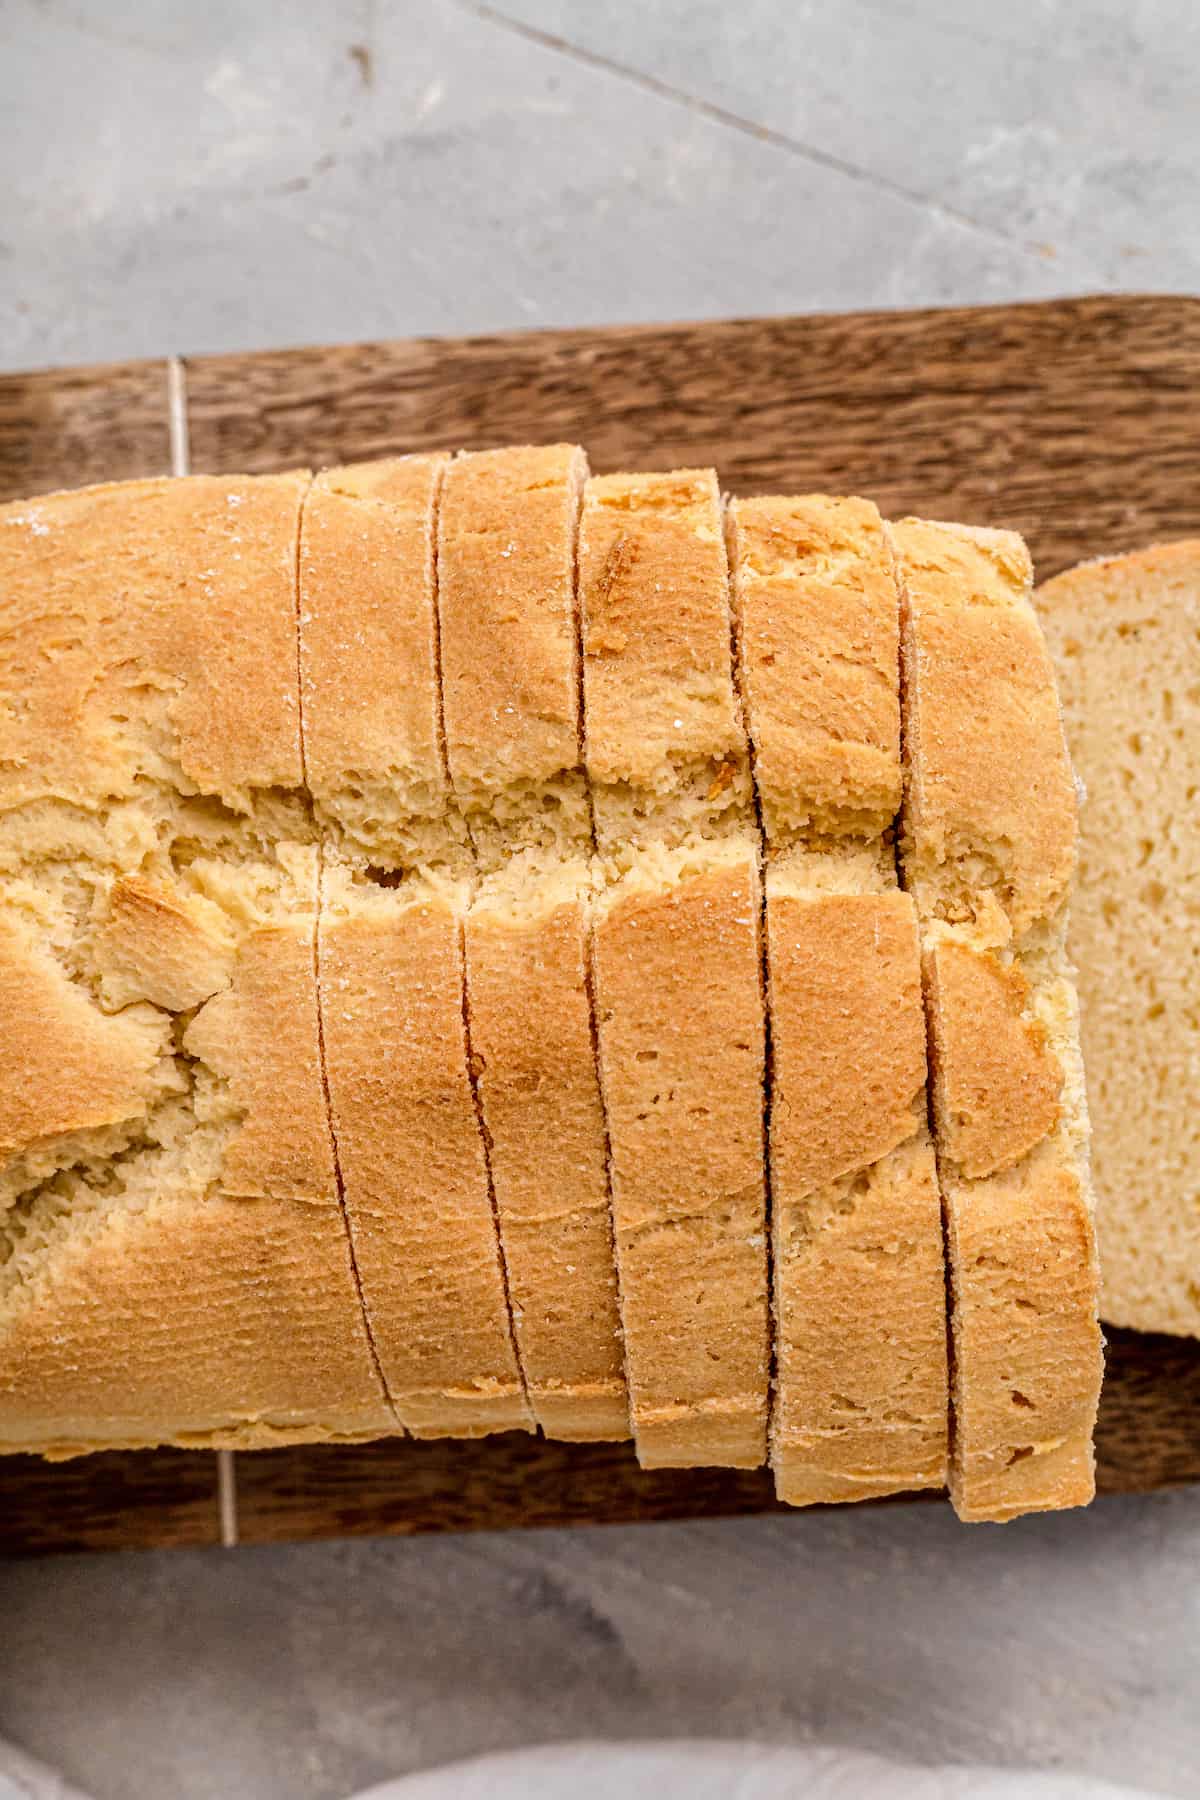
[1076, 422]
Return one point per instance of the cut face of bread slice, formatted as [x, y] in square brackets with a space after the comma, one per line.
[860, 1400]
[510, 659]
[677, 966]
[173, 1259]
[395, 893]
[988, 853]
[1125, 634]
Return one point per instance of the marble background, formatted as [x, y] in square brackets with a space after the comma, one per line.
[187, 178]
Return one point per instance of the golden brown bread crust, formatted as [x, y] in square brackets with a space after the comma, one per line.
[676, 960]
[260, 1036]
[412, 1159]
[818, 626]
[194, 1320]
[368, 658]
[1124, 635]
[1023, 1269]
[506, 597]
[162, 945]
[164, 752]
[506, 603]
[860, 1355]
[197, 1284]
[661, 717]
[172, 606]
[411, 1155]
[990, 803]
[848, 1031]
[988, 845]
[531, 1033]
[996, 1080]
[66, 1066]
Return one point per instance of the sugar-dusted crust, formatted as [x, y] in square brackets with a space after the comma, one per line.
[1125, 633]
[988, 851]
[860, 1399]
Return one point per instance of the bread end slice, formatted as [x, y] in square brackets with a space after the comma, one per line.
[1125, 633]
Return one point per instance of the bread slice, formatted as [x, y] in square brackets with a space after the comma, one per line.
[373, 756]
[507, 525]
[174, 1265]
[394, 897]
[676, 966]
[860, 1397]
[510, 664]
[1125, 634]
[988, 849]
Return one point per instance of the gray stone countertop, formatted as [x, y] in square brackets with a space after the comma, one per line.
[184, 178]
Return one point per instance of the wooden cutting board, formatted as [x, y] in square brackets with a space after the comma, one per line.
[1077, 422]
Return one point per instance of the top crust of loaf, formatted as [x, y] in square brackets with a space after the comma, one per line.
[815, 599]
[150, 635]
[506, 599]
[661, 717]
[991, 811]
[846, 968]
[996, 1079]
[1116, 580]
[369, 659]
